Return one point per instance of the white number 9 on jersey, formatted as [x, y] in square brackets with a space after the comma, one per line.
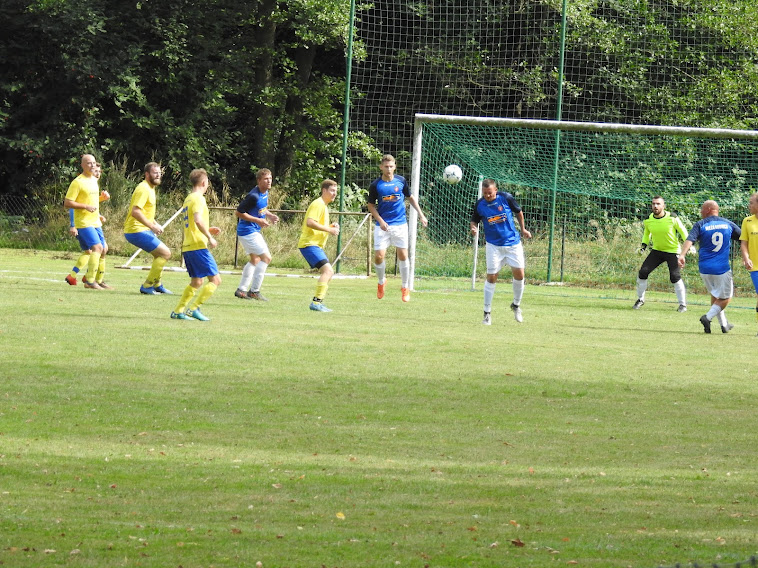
[718, 241]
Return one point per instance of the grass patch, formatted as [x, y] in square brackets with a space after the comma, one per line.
[382, 434]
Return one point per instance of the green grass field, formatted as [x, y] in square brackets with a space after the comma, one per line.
[382, 434]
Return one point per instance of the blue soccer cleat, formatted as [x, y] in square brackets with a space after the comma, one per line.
[179, 316]
[197, 314]
[161, 289]
[147, 290]
[319, 307]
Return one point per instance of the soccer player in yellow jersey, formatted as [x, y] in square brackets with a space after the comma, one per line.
[315, 231]
[198, 259]
[83, 196]
[84, 257]
[663, 231]
[141, 230]
[749, 243]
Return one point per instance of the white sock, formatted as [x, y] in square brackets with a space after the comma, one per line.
[713, 312]
[380, 270]
[681, 293]
[260, 272]
[489, 293]
[518, 291]
[641, 288]
[247, 276]
[722, 318]
[405, 272]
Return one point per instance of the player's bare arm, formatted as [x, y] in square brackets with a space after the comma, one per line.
[333, 229]
[140, 216]
[205, 230]
[524, 233]
[378, 218]
[71, 204]
[746, 262]
[421, 216]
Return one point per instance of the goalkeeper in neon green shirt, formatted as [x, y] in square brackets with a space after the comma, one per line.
[663, 231]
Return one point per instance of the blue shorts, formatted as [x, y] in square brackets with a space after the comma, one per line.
[200, 263]
[145, 240]
[315, 256]
[754, 278]
[90, 236]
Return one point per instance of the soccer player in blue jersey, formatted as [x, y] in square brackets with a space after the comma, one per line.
[497, 211]
[714, 235]
[198, 259]
[386, 203]
[253, 215]
[749, 243]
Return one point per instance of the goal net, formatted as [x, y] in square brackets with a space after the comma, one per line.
[584, 187]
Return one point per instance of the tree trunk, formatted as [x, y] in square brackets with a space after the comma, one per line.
[285, 157]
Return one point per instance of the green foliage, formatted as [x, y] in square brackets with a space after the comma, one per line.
[187, 84]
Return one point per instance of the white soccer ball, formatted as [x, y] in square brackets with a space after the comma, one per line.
[452, 174]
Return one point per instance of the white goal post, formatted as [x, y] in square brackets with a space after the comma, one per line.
[558, 158]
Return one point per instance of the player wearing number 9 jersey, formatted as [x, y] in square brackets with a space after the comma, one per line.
[715, 235]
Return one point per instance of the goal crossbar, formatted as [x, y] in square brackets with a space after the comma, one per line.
[607, 127]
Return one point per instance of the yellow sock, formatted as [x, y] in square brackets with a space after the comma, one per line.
[80, 264]
[100, 270]
[205, 293]
[156, 269]
[321, 290]
[187, 295]
[94, 262]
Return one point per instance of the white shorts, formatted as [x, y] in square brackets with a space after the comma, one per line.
[395, 235]
[254, 243]
[719, 286]
[497, 257]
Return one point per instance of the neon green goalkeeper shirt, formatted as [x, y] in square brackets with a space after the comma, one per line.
[662, 233]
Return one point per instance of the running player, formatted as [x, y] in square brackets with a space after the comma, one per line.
[315, 231]
[84, 257]
[198, 259]
[141, 230]
[714, 235]
[253, 215]
[749, 243]
[83, 196]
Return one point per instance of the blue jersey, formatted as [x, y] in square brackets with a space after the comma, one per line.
[255, 204]
[715, 235]
[497, 218]
[389, 199]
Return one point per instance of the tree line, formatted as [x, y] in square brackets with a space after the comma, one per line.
[233, 85]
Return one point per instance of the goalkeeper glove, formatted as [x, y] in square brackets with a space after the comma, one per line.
[642, 248]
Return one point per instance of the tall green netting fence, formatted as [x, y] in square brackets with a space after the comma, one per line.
[644, 62]
[600, 178]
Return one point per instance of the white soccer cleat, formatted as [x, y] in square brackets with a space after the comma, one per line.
[487, 319]
[518, 316]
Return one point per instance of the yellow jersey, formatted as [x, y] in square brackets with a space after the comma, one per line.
[310, 237]
[144, 198]
[85, 190]
[750, 234]
[193, 238]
